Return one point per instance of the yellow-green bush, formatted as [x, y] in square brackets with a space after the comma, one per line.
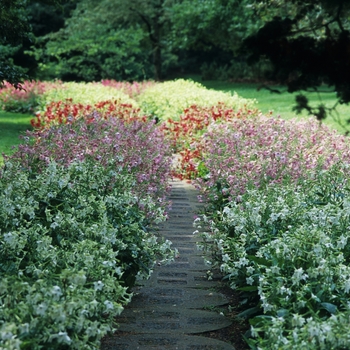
[85, 93]
[169, 99]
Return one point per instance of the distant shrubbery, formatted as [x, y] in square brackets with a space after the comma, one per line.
[168, 100]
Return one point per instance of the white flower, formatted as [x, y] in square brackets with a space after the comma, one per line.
[298, 276]
[91, 331]
[295, 336]
[253, 332]
[23, 328]
[341, 243]
[274, 217]
[267, 307]
[250, 270]
[298, 320]
[242, 262]
[315, 297]
[78, 279]
[56, 292]
[98, 285]
[54, 225]
[301, 303]
[347, 286]
[119, 309]
[118, 271]
[41, 309]
[275, 269]
[284, 290]
[6, 334]
[196, 222]
[10, 239]
[314, 331]
[62, 337]
[109, 305]
[250, 280]
[108, 263]
[84, 312]
[225, 258]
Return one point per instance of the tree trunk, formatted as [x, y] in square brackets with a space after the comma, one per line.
[157, 52]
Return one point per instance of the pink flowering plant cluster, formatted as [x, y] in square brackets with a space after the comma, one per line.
[185, 133]
[277, 227]
[137, 146]
[25, 99]
[78, 206]
[255, 152]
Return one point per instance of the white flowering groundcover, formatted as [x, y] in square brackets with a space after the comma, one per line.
[285, 248]
[72, 240]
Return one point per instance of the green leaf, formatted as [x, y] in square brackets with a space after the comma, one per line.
[260, 261]
[248, 288]
[282, 312]
[257, 319]
[249, 312]
[331, 308]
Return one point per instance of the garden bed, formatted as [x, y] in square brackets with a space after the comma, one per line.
[82, 191]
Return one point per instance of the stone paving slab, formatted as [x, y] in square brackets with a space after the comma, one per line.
[178, 300]
[165, 342]
[179, 297]
[172, 319]
[193, 279]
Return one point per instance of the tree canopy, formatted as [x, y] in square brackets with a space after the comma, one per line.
[111, 39]
[308, 44]
[143, 38]
[15, 29]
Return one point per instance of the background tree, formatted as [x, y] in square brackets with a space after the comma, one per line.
[211, 32]
[111, 39]
[15, 30]
[308, 44]
[139, 39]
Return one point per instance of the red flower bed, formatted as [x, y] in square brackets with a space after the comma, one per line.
[185, 133]
[63, 112]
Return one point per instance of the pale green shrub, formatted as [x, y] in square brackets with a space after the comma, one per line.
[169, 99]
[84, 93]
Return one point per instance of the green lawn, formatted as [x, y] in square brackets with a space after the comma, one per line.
[12, 125]
[280, 104]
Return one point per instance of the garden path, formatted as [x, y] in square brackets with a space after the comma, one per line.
[177, 304]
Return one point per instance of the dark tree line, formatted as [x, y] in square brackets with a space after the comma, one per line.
[305, 44]
[308, 45]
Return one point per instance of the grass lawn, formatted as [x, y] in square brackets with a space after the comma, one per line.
[280, 104]
[12, 125]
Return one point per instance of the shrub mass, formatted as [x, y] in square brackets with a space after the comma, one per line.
[82, 194]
